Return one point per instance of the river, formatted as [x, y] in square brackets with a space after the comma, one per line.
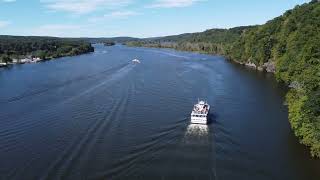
[99, 116]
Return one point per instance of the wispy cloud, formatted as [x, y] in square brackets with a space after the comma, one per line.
[122, 14]
[4, 24]
[172, 3]
[115, 15]
[82, 6]
[7, 1]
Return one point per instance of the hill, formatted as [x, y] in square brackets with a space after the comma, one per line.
[213, 41]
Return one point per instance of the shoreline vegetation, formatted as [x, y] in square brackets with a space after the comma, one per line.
[26, 49]
[213, 41]
[287, 46]
[109, 43]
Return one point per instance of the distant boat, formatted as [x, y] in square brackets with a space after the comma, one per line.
[3, 64]
[199, 114]
[136, 61]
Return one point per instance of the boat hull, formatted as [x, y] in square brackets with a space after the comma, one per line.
[199, 114]
[199, 120]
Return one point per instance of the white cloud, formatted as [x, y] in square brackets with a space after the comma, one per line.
[82, 6]
[4, 24]
[172, 3]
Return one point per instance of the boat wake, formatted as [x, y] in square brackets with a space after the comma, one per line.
[79, 154]
[111, 73]
[196, 133]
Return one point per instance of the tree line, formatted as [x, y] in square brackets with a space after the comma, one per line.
[17, 47]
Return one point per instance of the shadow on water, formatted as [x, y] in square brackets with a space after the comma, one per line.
[212, 118]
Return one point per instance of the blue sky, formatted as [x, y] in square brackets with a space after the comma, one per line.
[137, 18]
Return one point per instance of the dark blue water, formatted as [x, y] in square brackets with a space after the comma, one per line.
[99, 116]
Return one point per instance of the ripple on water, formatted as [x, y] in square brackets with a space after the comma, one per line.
[101, 117]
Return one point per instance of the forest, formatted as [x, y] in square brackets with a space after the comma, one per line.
[18, 47]
[213, 41]
[291, 42]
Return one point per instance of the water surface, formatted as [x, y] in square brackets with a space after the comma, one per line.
[99, 116]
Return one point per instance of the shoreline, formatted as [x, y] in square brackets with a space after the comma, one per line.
[38, 60]
[268, 67]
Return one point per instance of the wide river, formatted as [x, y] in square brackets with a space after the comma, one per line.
[99, 116]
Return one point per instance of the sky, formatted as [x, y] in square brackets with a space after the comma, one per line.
[135, 18]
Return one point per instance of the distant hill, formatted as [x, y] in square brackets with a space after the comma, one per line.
[112, 39]
[213, 41]
[211, 35]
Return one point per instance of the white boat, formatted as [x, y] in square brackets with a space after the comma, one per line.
[3, 64]
[136, 61]
[200, 111]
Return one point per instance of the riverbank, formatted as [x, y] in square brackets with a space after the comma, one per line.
[269, 66]
[31, 60]
[25, 49]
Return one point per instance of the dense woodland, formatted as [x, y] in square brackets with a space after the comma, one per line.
[213, 41]
[291, 42]
[16, 47]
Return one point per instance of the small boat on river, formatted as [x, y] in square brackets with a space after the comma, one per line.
[200, 111]
[136, 61]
